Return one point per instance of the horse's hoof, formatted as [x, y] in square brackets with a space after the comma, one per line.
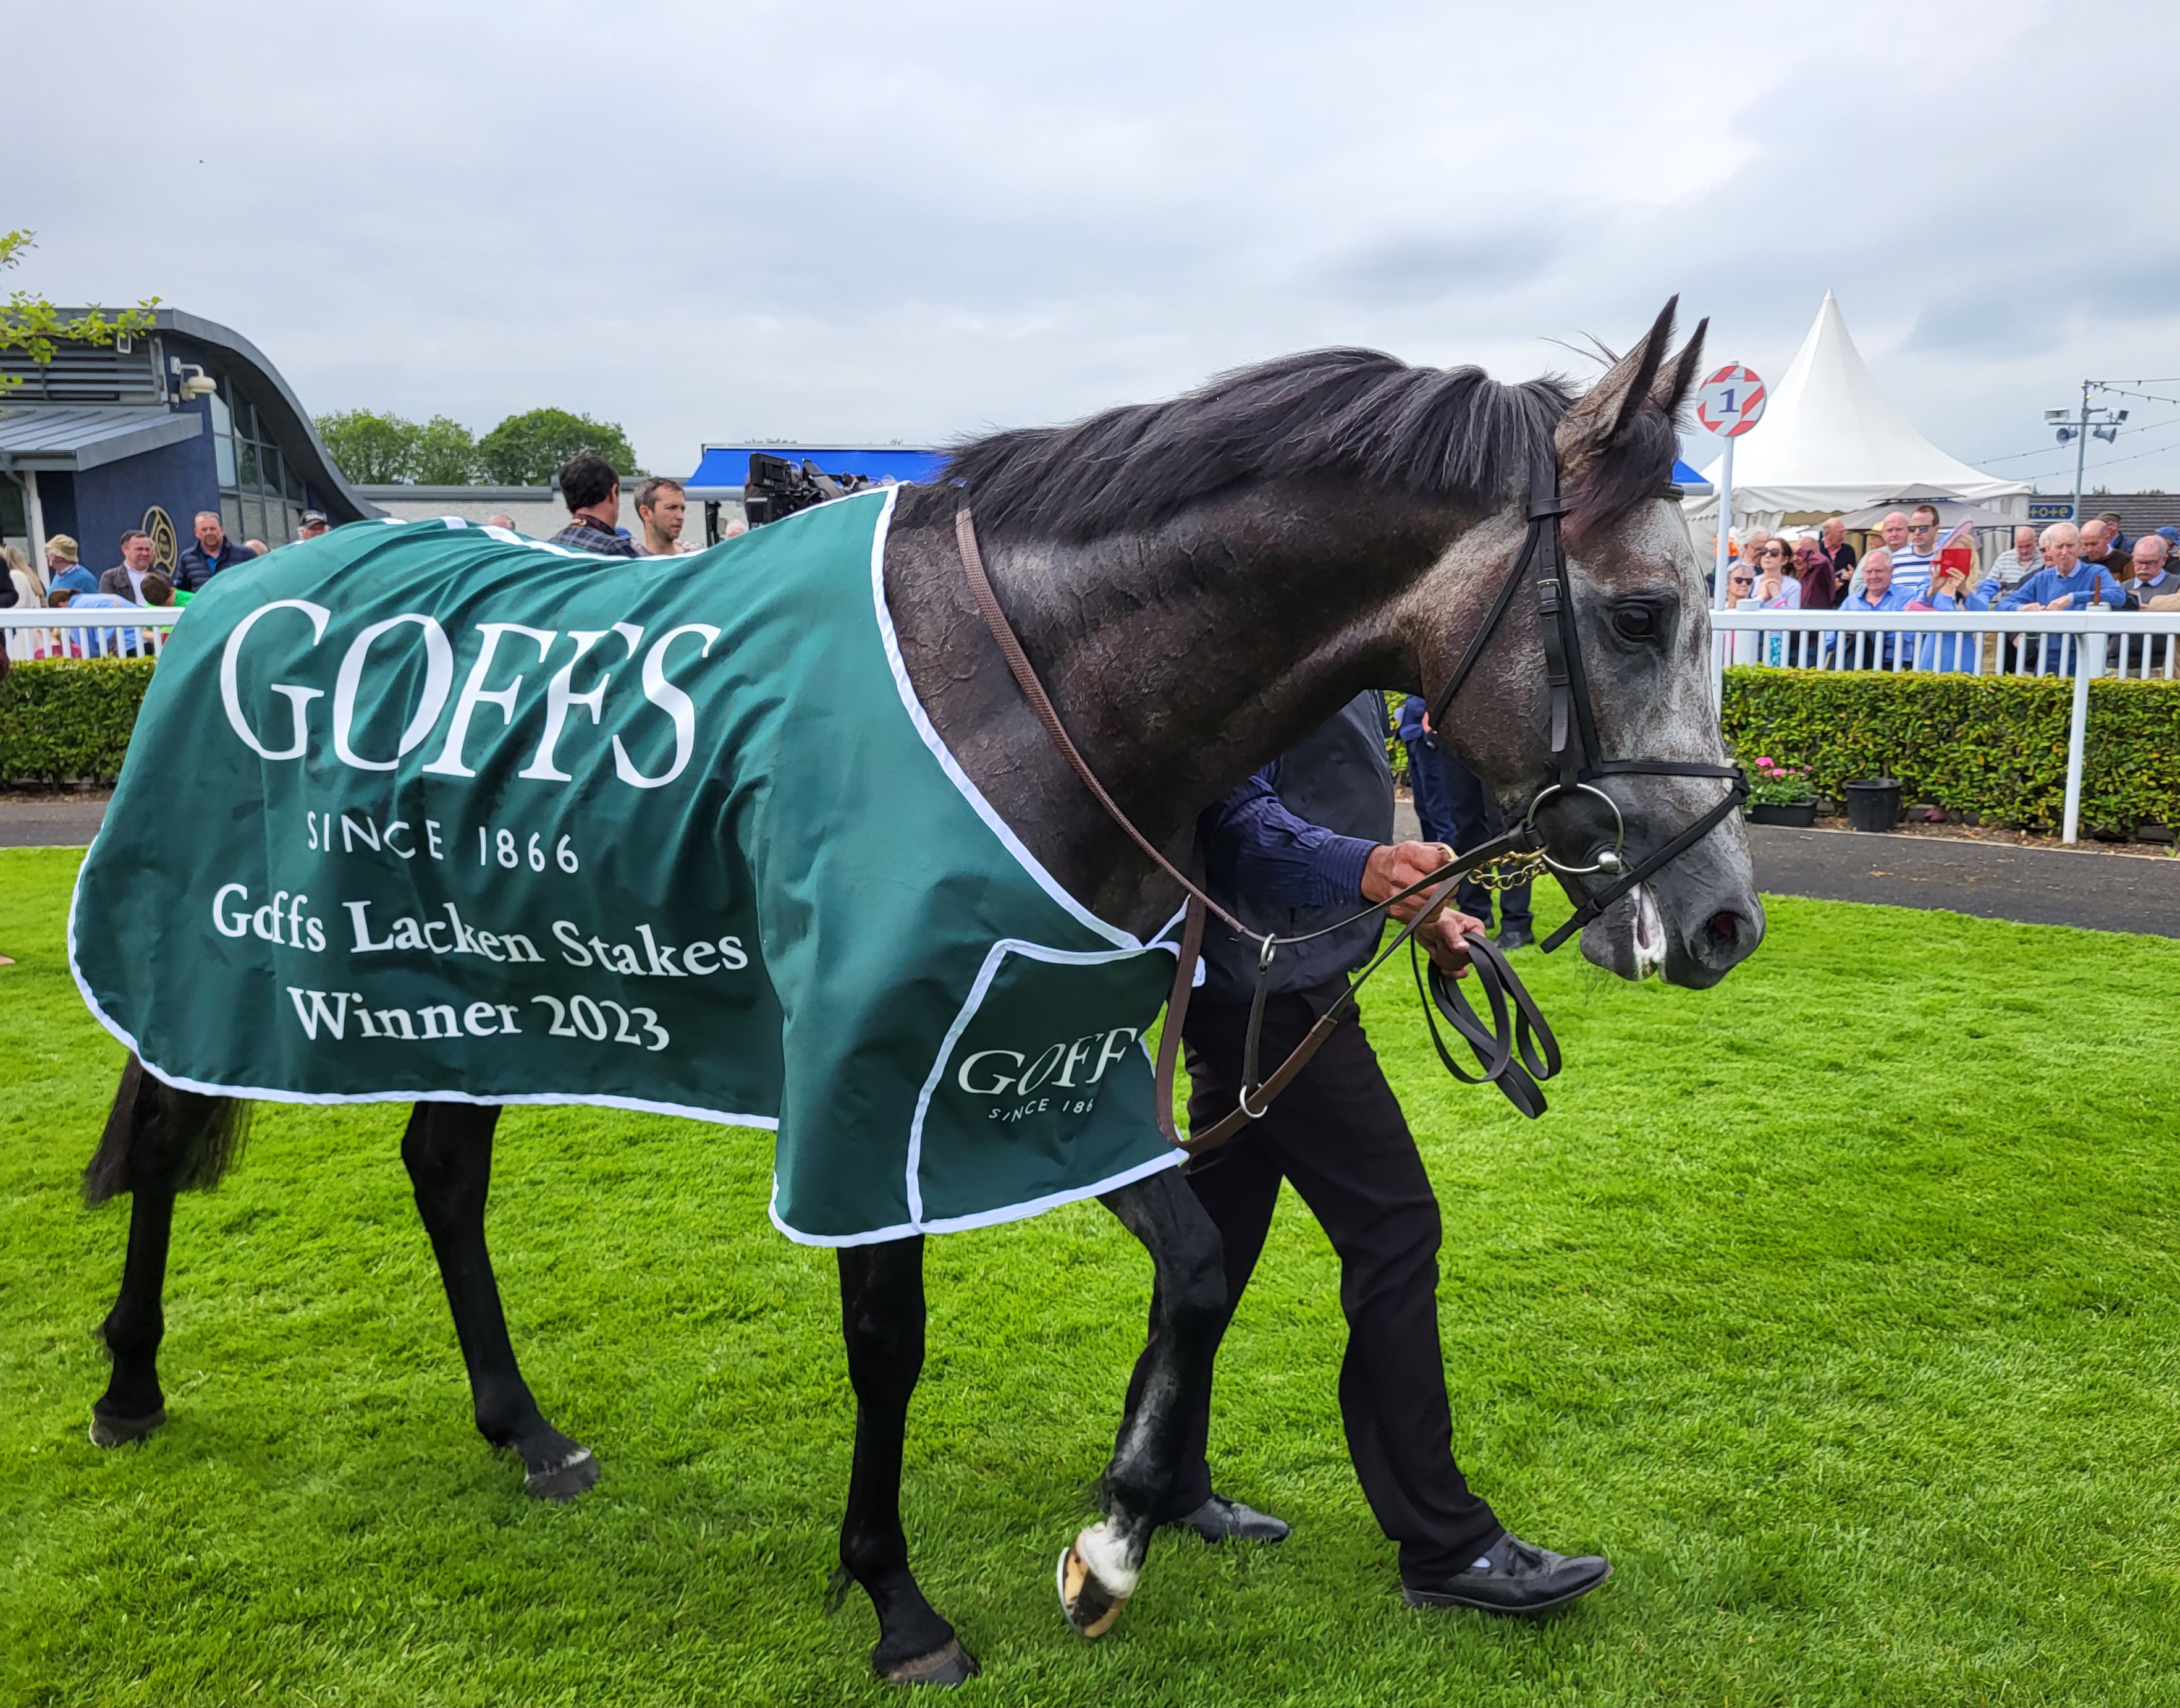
[1091, 1604]
[949, 1666]
[114, 1432]
[565, 1480]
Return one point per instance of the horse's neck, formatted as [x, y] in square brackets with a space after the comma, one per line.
[1180, 660]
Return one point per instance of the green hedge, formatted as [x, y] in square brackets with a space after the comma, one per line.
[64, 719]
[1992, 746]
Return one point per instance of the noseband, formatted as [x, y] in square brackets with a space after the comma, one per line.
[1517, 1048]
[1578, 765]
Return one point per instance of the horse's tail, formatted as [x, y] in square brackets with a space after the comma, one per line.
[158, 1136]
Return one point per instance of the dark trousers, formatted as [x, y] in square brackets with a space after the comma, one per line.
[1337, 1133]
[1476, 818]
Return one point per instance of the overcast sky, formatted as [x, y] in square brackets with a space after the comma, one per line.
[866, 222]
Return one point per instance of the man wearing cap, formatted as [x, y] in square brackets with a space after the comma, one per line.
[212, 553]
[314, 523]
[64, 573]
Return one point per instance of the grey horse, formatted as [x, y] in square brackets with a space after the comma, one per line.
[1199, 582]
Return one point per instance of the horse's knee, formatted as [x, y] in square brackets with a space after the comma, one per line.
[1192, 1286]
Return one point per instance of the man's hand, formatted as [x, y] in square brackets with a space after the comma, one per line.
[2061, 603]
[1445, 940]
[1394, 866]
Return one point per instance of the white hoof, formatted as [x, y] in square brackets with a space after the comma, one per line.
[1095, 1580]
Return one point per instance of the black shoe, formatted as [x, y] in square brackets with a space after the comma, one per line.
[1221, 1520]
[1513, 937]
[1512, 1577]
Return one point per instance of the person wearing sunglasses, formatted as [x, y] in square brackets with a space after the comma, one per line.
[1912, 562]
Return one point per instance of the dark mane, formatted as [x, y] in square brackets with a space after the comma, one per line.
[1353, 415]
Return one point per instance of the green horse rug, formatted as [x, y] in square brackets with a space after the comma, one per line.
[425, 811]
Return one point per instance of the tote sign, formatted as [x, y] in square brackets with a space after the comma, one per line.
[1731, 401]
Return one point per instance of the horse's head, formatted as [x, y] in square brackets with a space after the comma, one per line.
[1642, 634]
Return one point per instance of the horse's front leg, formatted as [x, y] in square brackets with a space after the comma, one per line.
[882, 1318]
[1100, 1571]
[448, 1151]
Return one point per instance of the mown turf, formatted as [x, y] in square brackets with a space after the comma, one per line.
[1837, 1305]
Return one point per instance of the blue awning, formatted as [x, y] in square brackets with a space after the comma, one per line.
[728, 466]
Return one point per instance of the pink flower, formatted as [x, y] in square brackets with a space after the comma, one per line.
[1765, 763]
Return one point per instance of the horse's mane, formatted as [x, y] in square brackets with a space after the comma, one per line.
[1353, 415]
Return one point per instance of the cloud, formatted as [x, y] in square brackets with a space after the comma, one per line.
[707, 222]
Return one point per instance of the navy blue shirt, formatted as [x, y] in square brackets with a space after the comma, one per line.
[1286, 851]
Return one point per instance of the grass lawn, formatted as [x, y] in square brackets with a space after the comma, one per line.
[1837, 1305]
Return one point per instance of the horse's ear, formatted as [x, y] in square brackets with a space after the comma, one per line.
[1604, 417]
[1674, 387]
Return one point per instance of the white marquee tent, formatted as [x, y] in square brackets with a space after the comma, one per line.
[1830, 440]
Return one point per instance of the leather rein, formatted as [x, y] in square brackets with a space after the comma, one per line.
[1517, 1048]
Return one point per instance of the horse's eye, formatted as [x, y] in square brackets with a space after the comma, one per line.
[1635, 622]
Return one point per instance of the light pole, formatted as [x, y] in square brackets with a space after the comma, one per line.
[2081, 430]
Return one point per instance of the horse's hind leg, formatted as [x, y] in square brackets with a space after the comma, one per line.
[157, 1141]
[448, 1151]
[882, 1317]
[1100, 1571]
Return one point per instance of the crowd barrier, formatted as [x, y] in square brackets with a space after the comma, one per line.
[37, 633]
[2080, 644]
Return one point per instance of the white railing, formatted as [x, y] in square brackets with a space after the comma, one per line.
[2034, 643]
[35, 633]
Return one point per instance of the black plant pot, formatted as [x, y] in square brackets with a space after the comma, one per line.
[1874, 803]
[1802, 813]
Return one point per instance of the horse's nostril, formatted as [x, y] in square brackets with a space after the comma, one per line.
[1725, 926]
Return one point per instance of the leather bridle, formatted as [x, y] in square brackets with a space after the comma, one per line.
[1578, 767]
[1517, 1049]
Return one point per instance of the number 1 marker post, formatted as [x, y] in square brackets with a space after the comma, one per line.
[1729, 404]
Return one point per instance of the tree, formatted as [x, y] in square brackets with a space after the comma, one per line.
[527, 450]
[370, 449]
[446, 454]
[31, 324]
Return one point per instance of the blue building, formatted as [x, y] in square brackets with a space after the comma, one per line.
[147, 433]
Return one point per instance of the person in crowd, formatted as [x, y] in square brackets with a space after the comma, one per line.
[1813, 568]
[507, 523]
[1951, 590]
[23, 580]
[2099, 549]
[1453, 807]
[591, 489]
[2171, 535]
[1739, 584]
[2116, 534]
[125, 579]
[2065, 580]
[211, 552]
[314, 523]
[661, 505]
[2154, 576]
[1338, 1135]
[1878, 594]
[2015, 565]
[1838, 553]
[1912, 563]
[104, 643]
[64, 571]
[1776, 589]
[157, 590]
[1892, 535]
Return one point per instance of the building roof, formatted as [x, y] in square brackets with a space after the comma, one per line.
[1831, 440]
[81, 409]
[43, 436]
